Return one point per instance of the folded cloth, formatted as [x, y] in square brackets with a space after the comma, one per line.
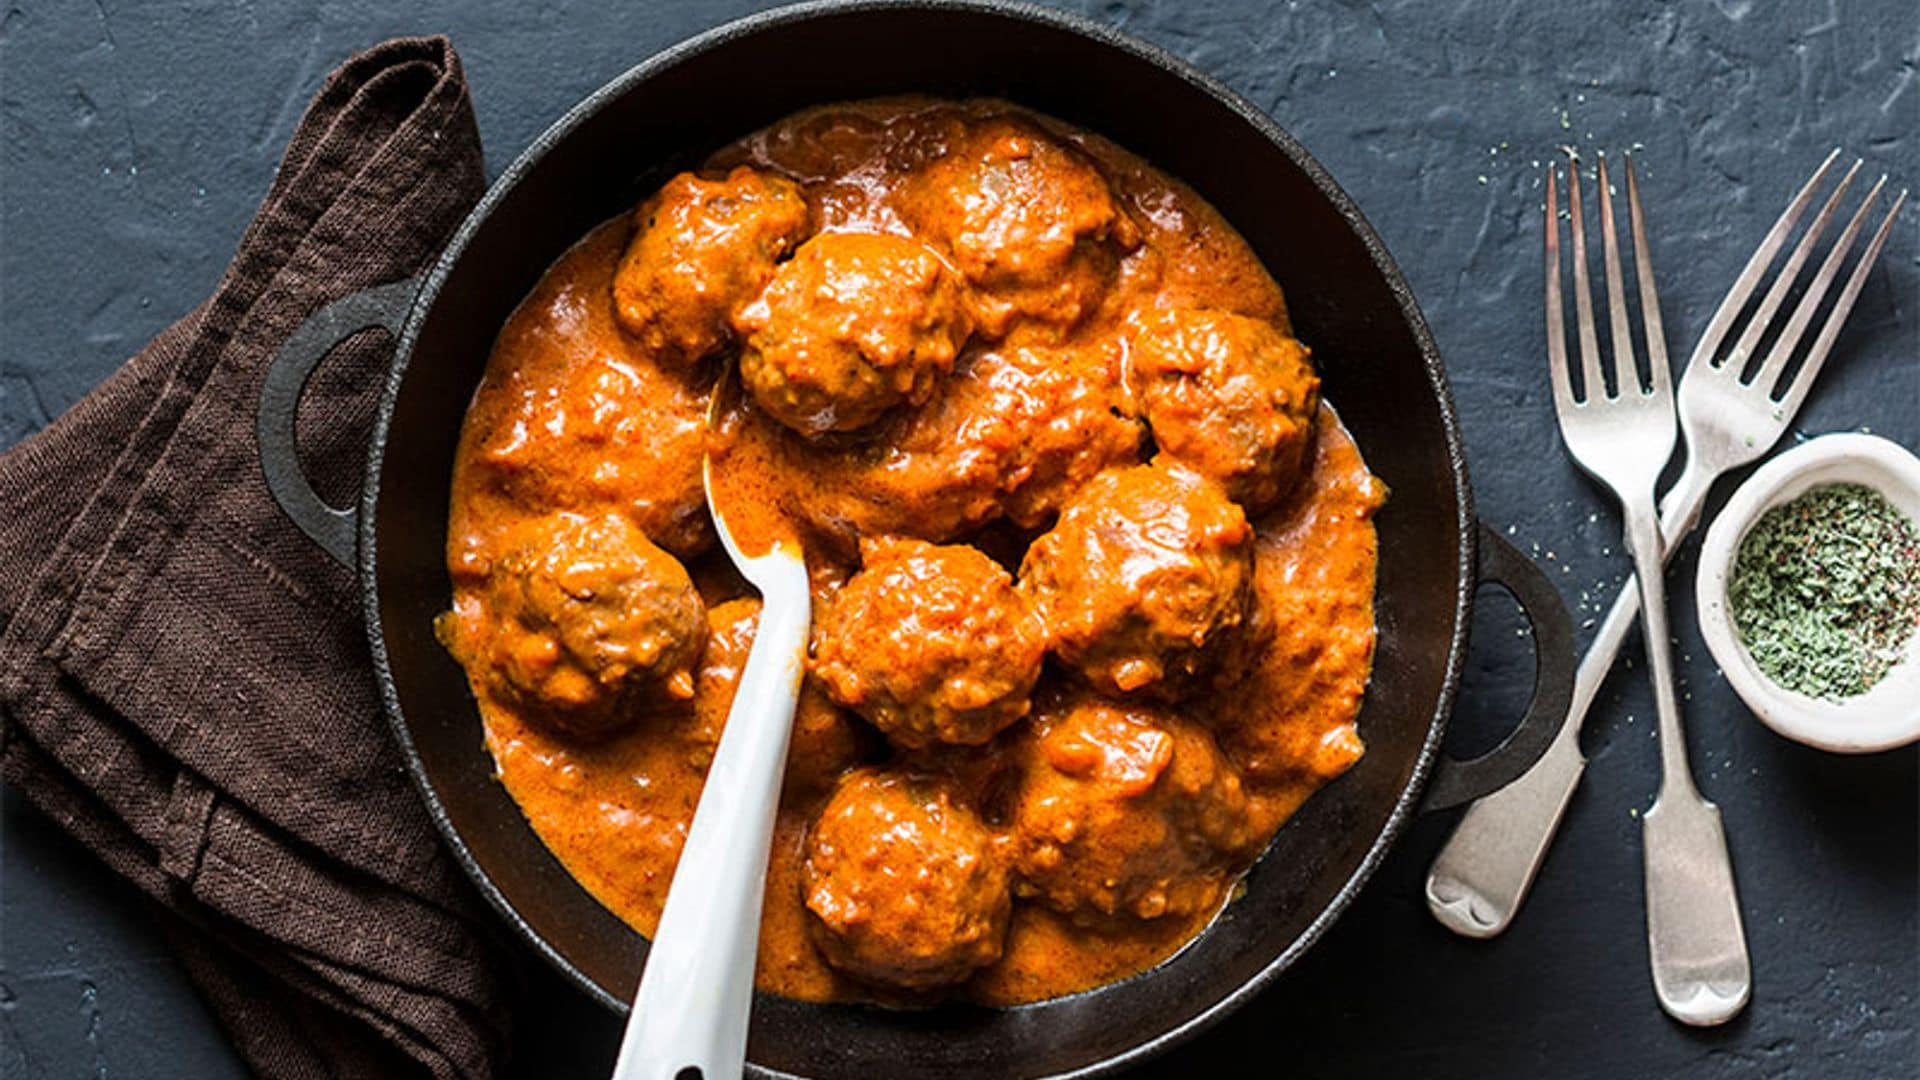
[184, 683]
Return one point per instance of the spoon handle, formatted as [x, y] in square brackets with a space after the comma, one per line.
[691, 1010]
[1487, 866]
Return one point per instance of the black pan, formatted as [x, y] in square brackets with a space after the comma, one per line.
[1373, 349]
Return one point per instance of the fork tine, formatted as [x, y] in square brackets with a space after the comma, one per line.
[1592, 384]
[1556, 313]
[1743, 286]
[1743, 349]
[1782, 350]
[1626, 372]
[1649, 299]
[1842, 306]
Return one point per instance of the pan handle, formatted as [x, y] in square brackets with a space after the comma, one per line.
[333, 528]
[1456, 781]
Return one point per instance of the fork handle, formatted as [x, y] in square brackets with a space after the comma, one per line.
[1696, 943]
[1643, 539]
[1485, 870]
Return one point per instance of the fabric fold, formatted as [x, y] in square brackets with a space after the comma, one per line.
[184, 684]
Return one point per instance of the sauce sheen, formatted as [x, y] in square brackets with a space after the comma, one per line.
[1009, 816]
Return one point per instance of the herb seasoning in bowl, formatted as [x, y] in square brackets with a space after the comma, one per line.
[1809, 593]
[1825, 591]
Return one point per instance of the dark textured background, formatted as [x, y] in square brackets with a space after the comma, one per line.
[138, 136]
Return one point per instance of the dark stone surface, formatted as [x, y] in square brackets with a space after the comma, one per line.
[135, 139]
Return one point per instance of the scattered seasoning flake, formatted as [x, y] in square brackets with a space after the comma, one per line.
[1825, 590]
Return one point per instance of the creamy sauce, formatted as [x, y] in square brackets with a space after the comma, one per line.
[573, 415]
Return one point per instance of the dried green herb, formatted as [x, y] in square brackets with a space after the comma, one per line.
[1826, 590]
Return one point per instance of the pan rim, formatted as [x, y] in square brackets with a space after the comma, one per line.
[1137, 50]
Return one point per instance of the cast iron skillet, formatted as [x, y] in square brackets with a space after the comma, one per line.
[1348, 300]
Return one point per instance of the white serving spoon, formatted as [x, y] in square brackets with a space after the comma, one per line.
[689, 1017]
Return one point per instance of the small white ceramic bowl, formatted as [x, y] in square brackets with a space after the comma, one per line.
[1884, 717]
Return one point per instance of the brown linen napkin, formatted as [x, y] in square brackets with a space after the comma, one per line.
[183, 676]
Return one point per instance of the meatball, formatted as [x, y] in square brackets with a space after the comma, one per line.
[1014, 433]
[932, 644]
[825, 741]
[592, 624]
[1144, 579]
[702, 248]
[1125, 812]
[852, 325]
[907, 887]
[1231, 396]
[1030, 221]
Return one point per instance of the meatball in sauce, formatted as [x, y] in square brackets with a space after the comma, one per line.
[931, 644]
[853, 325]
[1229, 396]
[1145, 579]
[703, 249]
[1126, 811]
[1008, 436]
[584, 623]
[1092, 561]
[907, 888]
[1029, 219]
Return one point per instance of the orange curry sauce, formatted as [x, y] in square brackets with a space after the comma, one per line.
[579, 415]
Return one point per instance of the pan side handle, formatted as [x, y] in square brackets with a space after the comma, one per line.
[1457, 781]
[333, 528]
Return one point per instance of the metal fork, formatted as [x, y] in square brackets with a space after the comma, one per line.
[1622, 434]
[1482, 875]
